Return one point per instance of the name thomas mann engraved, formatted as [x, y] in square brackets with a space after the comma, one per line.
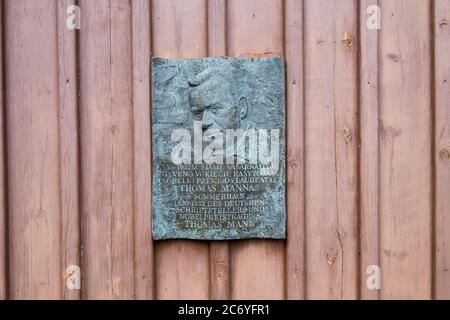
[218, 148]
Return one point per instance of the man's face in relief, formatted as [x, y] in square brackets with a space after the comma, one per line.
[213, 102]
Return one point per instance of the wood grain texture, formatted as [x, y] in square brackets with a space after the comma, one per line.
[144, 281]
[68, 148]
[369, 153]
[331, 149]
[405, 150]
[295, 244]
[257, 265]
[3, 212]
[33, 149]
[107, 149]
[179, 29]
[219, 251]
[442, 147]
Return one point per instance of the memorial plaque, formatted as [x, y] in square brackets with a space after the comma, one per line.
[218, 148]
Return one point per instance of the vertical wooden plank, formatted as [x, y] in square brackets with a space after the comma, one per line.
[143, 260]
[216, 28]
[257, 265]
[219, 251]
[405, 150]
[107, 149]
[295, 244]
[179, 30]
[3, 218]
[331, 148]
[33, 153]
[68, 135]
[442, 147]
[369, 164]
[220, 270]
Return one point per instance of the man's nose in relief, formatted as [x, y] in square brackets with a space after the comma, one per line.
[217, 117]
[207, 121]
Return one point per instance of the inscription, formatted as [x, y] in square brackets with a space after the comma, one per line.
[216, 196]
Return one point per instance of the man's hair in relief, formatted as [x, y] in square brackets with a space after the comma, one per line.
[231, 77]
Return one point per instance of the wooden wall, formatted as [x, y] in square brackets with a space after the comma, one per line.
[368, 149]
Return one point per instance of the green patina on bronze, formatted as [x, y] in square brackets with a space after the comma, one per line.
[220, 200]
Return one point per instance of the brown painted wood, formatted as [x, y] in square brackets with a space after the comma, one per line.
[217, 37]
[141, 41]
[77, 151]
[31, 67]
[220, 272]
[331, 149]
[369, 153]
[295, 244]
[220, 281]
[107, 149]
[257, 265]
[68, 148]
[442, 147]
[3, 213]
[405, 150]
[179, 30]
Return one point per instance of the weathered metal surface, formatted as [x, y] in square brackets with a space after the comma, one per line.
[218, 148]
